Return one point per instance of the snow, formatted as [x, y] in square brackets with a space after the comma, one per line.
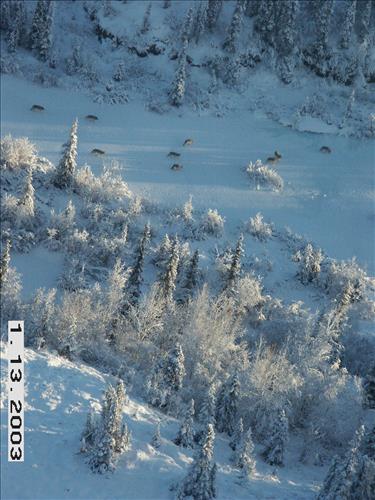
[328, 198]
[59, 395]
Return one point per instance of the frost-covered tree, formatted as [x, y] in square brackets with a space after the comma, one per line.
[208, 408]
[177, 91]
[200, 21]
[156, 438]
[227, 406]
[167, 4]
[369, 387]
[166, 378]
[146, 19]
[88, 433]
[309, 260]
[286, 39]
[16, 25]
[352, 477]
[41, 319]
[323, 11]
[111, 437]
[119, 75]
[251, 7]
[185, 436]
[212, 13]
[275, 446]
[5, 262]
[237, 435]
[235, 266]
[234, 29]
[168, 281]
[27, 200]
[66, 169]
[265, 22]
[192, 273]
[41, 29]
[135, 278]
[363, 19]
[348, 23]
[187, 27]
[199, 484]
[245, 459]
[5, 16]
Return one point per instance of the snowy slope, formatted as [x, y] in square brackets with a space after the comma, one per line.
[328, 198]
[58, 396]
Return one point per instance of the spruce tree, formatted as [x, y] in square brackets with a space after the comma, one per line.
[27, 201]
[200, 21]
[168, 282]
[235, 267]
[156, 438]
[348, 23]
[191, 280]
[177, 92]
[146, 19]
[185, 436]
[5, 263]
[166, 4]
[245, 460]
[251, 8]
[323, 15]
[227, 406]
[187, 27]
[5, 14]
[41, 29]
[369, 387]
[208, 409]
[212, 13]
[234, 30]
[363, 19]
[275, 447]
[237, 435]
[14, 26]
[135, 279]
[199, 484]
[119, 75]
[265, 22]
[66, 169]
[286, 39]
[88, 433]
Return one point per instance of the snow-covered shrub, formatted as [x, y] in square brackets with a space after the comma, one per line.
[263, 176]
[258, 228]
[41, 314]
[17, 153]
[309, 260]
[212, 223]
[249, 299]
[340, 274]
[108, 186]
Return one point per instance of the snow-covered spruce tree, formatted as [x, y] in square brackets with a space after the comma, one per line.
[208, 409]
[15, 25]
[318, 55]
[185, 436]
[41, 318]
[275, 447]
[5, 17]
[65, 171]
[251, 7]
[212, 13]
[237, 435]
[265, 22]
[27, 200]
[156, 438]
[177, 92]
[369, 443]
[286, 39]
[234, 29]
[5, 263]
[119, 75]
[41, 29]
[369, 388]
[235, 267]
[199, 21]
[166, 378]
[135, 278]
[348, 23]
[187, 28]
[168, 281]
[88, 433]
[227, 406]
[352, 477]
[309, 263]
[245, 459]
[111, 437]
[167, 4]
[199, 484]
[192, 273]
[363, 19]
[146, 20]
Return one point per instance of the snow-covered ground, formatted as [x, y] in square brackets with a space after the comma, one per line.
[328, 198]
[58, 396]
